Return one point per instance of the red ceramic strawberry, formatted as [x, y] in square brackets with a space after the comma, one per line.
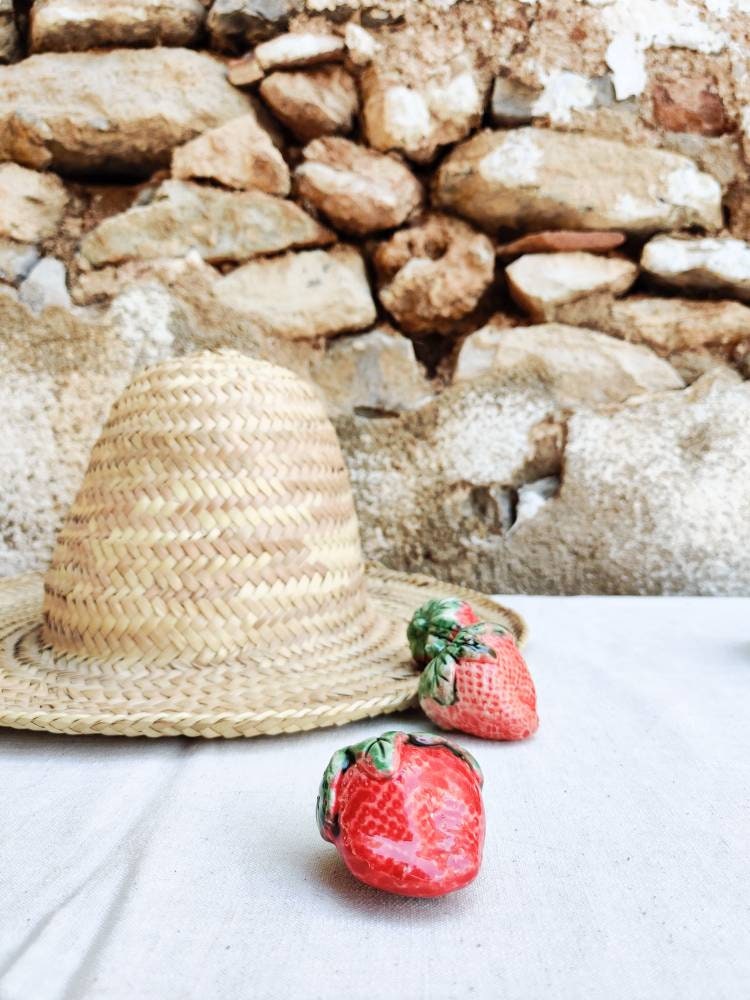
[405, 813]
[480, 684]
[434, 624]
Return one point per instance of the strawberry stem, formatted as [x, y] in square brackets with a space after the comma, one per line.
[431, 626]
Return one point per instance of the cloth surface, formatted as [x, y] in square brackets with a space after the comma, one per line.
[616, 860]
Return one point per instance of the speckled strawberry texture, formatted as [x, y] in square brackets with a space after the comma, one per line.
[415, 826]
[480, 684]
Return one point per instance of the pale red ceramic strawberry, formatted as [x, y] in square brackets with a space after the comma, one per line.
[434, 624]
[479, 683]
[405, 813]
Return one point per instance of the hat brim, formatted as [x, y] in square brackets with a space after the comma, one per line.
[372, 675]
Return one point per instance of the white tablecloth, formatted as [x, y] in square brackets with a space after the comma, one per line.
[616, 861]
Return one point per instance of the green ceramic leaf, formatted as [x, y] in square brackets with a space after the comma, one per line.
[438, 680]
[326, 812]
[466, 642]
[381, 751]
[431, 626]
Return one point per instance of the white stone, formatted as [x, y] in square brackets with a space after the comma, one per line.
[90, 287]
[416, 114]
[541, 282]
[720, 264]
[689, 187]
[376, 371]
[359, 190]
[31, 204]
[220, 225]
[45, 286]
[16, 259]
[296, 50]
[433, 275]
[585, 366]
[675, 324]
[302, 296]
[233, 25]
[239, 154]
[360, 44]
[536, 178]
[78, 25]
[113, 111]
[314, 102]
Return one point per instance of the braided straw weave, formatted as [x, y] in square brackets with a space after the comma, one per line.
[208, 579]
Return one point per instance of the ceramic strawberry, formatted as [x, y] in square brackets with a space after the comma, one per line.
[405, 813]
[434, 624]
[479, 683]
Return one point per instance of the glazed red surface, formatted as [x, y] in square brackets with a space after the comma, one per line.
[419, 832]
[496, 698]
[466, 615]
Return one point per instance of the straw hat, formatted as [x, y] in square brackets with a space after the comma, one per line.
[208, 579]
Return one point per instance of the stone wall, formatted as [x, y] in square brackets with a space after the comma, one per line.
[508, 240]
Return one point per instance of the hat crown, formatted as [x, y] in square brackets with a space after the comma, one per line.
[215, 522]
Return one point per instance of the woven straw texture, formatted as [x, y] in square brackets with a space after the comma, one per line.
[208, 579]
